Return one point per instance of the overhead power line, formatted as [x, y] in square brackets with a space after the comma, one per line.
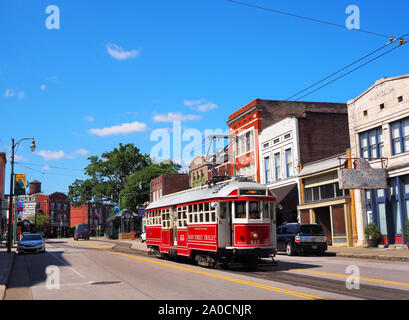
[342, 69]
[307, 18]
[46, 165]
[402, 42]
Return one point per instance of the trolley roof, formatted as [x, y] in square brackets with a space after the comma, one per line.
[219, 190]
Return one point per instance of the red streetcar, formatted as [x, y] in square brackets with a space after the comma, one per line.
[230, 221]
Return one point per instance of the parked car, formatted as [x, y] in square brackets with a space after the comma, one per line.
[21, 235]
[81, 231]
[295, 238]
[31, 242]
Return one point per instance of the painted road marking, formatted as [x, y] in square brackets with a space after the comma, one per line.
[403, 284]
[63, 262]
[236, 280]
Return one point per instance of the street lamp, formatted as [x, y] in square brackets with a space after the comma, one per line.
[13, 145]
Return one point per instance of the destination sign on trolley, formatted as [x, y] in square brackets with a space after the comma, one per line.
[249, 192]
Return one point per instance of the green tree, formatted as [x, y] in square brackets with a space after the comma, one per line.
[137, 188]
[108, 175]
[43, 221]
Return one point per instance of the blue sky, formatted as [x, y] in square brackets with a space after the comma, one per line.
[131, 65]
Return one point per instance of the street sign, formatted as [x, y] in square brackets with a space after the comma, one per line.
[362, 177]
[19, 184]
[20, 205]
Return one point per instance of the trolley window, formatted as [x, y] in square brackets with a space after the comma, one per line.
[240, 209]
[254, 210]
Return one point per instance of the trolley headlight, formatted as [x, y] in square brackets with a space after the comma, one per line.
[254, 235]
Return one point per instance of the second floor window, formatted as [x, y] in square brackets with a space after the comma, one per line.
[267, 169]
[277, 166]
[289, 163]
[400, 136]
[371, 143]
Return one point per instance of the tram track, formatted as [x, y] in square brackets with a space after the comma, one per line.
[275, 273]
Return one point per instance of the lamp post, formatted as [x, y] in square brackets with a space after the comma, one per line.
[10, 226]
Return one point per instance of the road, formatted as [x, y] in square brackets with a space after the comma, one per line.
[97, 270]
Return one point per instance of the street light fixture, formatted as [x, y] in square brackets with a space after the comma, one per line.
[14, 226]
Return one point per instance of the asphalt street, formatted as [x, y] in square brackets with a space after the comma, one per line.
[94, 270]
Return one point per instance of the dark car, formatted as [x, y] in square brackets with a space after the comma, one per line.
[81, 231]
[295, 238]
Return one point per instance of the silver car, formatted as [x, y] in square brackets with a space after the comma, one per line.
[31, 242]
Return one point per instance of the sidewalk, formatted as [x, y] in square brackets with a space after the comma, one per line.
[388, 254]
[6, 264]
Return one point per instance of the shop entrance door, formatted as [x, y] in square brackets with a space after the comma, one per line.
[323, 217]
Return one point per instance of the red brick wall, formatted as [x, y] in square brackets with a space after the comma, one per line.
[322, 135]
[44, 203]
[175, 182]
[79, 215]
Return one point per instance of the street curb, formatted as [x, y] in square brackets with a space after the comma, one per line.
[369, 257]
[5, 279]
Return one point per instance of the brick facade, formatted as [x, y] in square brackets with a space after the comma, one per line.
[168, 183]
[249, 121]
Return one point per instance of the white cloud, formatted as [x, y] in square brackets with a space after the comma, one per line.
[201, 105]
[51, 155]
[207, 107]
[82, 152]
[89, 118]
[57, 155]
[46, 167]
[9, 93]
[17, 158]
[119, 53]
[175, 116]
[123, 128]
[191, 103]
[43, 87]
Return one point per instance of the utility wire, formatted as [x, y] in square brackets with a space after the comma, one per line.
[306, 18]
[349, 72]
[342, 69]
[46, 165]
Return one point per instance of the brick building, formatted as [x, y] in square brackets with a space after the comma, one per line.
[95, 217]
[201, 171]
[288, 144]
[168, 183]
[249, 121]
[379, 128]
[59, 210]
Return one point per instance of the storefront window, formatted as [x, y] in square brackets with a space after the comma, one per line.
[382, 218]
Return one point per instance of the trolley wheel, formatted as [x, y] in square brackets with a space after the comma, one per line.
[206, 261]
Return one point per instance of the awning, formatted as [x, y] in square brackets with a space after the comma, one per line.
[124, 213]
[282, 192]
